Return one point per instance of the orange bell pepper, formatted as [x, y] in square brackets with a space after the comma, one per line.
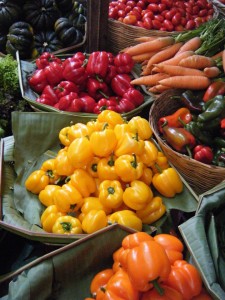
[168, 294]
[100, 280]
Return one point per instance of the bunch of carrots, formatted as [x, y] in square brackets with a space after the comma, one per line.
[167, 63]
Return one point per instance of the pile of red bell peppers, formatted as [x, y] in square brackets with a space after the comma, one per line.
[86, 83]
[197, 128]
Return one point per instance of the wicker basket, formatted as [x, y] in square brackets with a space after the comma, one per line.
[200, 177]
[220, 6]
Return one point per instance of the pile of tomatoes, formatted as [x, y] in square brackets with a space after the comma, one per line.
[164, 15]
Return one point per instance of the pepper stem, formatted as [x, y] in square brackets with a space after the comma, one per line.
[157, 286]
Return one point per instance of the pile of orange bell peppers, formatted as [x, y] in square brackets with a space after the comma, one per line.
[146, 268]
[104, 173]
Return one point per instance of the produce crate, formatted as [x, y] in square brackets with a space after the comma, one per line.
[201, 177]
[204, 237]
[35, 140]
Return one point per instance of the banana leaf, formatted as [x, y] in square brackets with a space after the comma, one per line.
[204, 235]
[35, 138]
[65, 273]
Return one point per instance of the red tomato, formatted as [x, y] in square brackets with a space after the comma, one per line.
[147, 23]
[121, 6]
[131, 3]
[183, 21]
[160, 18]
[128, 9]
[136, 13]
[179, 4]
[168, 3]
[148, 14]
[190, 25]
[156, 24]
[168, 25]
[153, 7]
[140, 24]
[153, 1]
[176, 20]
[169, 14]
[161, 7]
[121, 13]
[195, 9]
[130, 19]
[113, 12]
[203, 13]
[141, 3]
[179, 28]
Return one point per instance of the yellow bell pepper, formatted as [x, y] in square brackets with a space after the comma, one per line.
[91, 203]
[94, 220]
[92, 167]
[63, 165]
[80, 152]
[67, 225]
[121, 129]
[141, 126]
[129, 143]
[46, 196]
[137, 195]
[126, 218]
[106, 168]
[77, 130]
[83, 182]
[49, 166]
[103, 142]
[97, 184]
[167, 182]
[147, 175]
[49, 216]
[110, 117]
[92, 126]
[153, 211]
[161, 161]
[68, 199]
[111, 193]
[37, 181]
[129, 167]
[149, 154]
[63, 136]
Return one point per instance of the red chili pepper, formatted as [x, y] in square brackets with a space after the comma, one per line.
[134, 96]
[124, 63]
[180, 117]
[88, 102]
[120, 84]
[75, 71]
[65, 102]
[45, 59]
[65, 87]
[213, 90]
[98, 62]
[53, 73]
[103, 104]
[97, 88]
[38, 80]
[203, 154]
[125, 105]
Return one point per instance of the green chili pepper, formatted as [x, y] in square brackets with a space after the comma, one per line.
[201, 135]
[213, 109]
[210, 125]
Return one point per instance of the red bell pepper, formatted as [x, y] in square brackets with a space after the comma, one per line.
[203, 154]
[124, 63]
[65, 87]
[97, 88]
[120, 84]
[65, 101]
[75, 71]
[97, 64]
[38, 80]
[53, 73]
[125, 105]
[134, 96]
[76, 105]
[49, 92]
[88, 102]
[111, 73]
[111, 58]
[77, 56]
[103, 104]
[45, 59]
[214, 89]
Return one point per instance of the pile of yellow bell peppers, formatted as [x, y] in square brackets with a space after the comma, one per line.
[105, 172]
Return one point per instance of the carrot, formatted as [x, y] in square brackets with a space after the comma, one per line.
[219, 54]
[197, 62]
[177, 58]
[223, 60]
[142, 57]
[158, 88]
[162, 55]
[149, 79]
[153, 45]
[211, 72]
[178, 71]
[142, 39]
[186, 82]
[191, 45]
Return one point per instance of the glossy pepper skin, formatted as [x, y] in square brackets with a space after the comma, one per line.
[53, 73]
[128, 167]
[106, 168]
[141, 126]
[94, 220]
[48, 96]
[212, 109]
[97, 89]
[46, 196]
[83, 182]
[129, 143]
[157, 265]
[185, 278]
[168, 294]
[64, 88]
[127, 218]
[124, 105]
[124, 63]
[97, 65]
[70, 102]
[214, 89]
[110, 117]
[134, 96]
[63, 165]
[75, 71]
[177, 119]
[100, 280]
[37, 181]
[38, 80]
[168, 182]
[49, 166]
[120, 84]
[199, 132]
[77, 130]
[153, 211]
[203, 154]
[111, 193]
[103, 104]
[179, 138]
[49, 216]
[45, 59]
[149, 154]
[67, 225]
